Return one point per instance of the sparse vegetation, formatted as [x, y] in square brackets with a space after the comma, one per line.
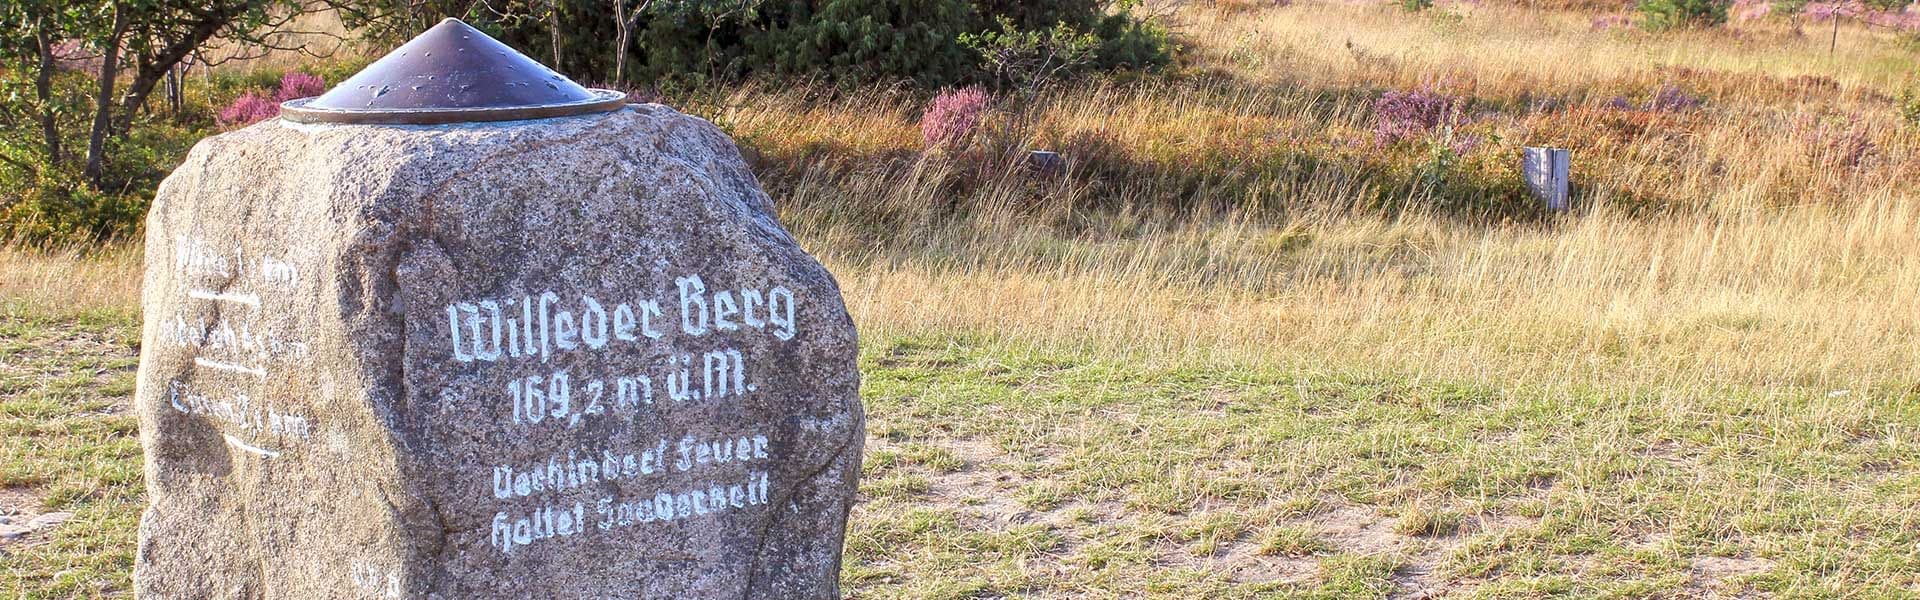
[1910, 106]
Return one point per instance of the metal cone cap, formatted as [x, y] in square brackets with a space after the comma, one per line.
[452, 73]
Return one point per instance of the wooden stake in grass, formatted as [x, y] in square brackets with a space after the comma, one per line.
[1547, 171]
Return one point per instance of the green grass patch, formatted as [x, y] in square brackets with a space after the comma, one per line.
[997, 472]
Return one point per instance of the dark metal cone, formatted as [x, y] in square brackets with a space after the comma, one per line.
[452, 73]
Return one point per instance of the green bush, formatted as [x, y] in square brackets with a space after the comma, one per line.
[844, 40]
[862, 40]
[48, 200]
[1669, 14]
[1125, 42]
[1029, 60]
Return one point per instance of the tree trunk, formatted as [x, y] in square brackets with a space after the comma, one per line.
[43, 87]
[626, 23]
[175, 91]
[1833, 43]
[103, 103]
[152, 68]
[620, 40]
[553, 25]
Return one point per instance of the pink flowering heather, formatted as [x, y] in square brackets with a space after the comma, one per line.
[1907, 20]
[1400, 116]
[248, 109]
[1822, 11]
[952, 116]
[295, 85]
[252, 107]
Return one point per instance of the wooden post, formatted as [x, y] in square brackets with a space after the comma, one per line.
[1547, 171]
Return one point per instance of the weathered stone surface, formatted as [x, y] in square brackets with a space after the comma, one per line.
[569, 358]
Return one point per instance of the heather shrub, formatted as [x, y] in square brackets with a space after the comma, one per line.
[1850, 146]
[952, 117]
[1671, 98]
[248, 109]
[1893, 15]
[252, 107]
[1401, 116]
[1820, 12]
[1905, 21]
[1669, 14]
[1836, 143]
[295, 85]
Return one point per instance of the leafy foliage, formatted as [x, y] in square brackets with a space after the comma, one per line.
[1029, 60]
[1670, 14]
[862, 40]
[79, 150]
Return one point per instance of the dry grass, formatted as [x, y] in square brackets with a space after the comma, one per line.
[1501, 49]
[1760, 262]
[305, 37]
[70, 281]
[1809, 298]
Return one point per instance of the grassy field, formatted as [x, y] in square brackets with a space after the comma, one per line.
[1240, 350]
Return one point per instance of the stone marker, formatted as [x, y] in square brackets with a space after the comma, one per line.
[573, 357]
[1045, 162]
[1547, 170]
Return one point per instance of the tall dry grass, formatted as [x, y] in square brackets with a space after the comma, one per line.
[1734, 246]
[69, 281]
[1813, 299]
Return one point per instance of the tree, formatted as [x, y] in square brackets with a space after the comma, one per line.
[31, 35]
[1030, 60]
[624, 23]
[141, 41]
